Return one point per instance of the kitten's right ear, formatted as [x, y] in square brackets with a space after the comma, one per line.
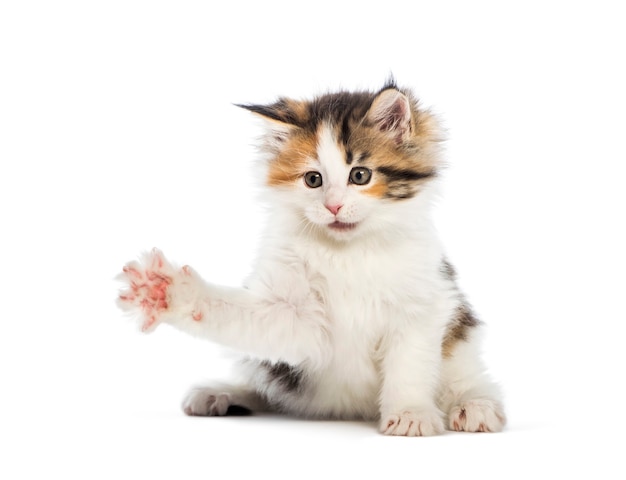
[274, 112]
[281, 117]
[287, 112]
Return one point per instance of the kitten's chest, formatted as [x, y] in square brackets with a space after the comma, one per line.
[361, 290]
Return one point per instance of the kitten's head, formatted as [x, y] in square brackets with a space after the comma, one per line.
[350, 162]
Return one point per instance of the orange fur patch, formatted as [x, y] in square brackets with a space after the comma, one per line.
[458, 329]
[377, 190]
[290, 164]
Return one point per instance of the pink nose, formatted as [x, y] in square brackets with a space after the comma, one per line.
[333, 208]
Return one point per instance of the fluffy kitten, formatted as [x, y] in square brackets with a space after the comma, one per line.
[353, 311]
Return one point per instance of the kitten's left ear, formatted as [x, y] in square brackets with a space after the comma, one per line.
[391, 113]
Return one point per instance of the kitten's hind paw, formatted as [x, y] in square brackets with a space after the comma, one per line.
[481, 415]
[199, 403]
[213, 402]
[412, 423]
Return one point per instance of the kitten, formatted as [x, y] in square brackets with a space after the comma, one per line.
[353, 311]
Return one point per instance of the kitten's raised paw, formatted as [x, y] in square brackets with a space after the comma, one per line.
[481, 415]
[147, 283]
[412, 423]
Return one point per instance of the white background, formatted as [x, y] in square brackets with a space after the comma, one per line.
[118, 133]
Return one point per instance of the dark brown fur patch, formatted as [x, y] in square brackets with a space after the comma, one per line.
[458, 329]
[448, 270]
[406, 175]
[287, 376]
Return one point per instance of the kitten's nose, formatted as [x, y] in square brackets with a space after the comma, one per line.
[333, 208]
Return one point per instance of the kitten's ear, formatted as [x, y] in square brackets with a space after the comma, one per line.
[281, 117]
[391, 113]
[272, 112]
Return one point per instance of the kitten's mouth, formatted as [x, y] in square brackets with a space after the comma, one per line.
[341, 226]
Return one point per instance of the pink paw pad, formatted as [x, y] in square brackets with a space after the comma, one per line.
[147, 284]
[157, 289]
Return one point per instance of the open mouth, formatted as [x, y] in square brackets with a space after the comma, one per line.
[340, 226]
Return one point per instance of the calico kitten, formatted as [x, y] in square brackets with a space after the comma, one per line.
[353, 311]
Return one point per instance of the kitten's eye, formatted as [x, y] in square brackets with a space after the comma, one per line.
[360, 175]
[313, 179]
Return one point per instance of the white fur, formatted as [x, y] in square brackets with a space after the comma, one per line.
[361, 312]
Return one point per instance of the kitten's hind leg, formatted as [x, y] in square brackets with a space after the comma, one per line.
[469, 397]
[221, 400]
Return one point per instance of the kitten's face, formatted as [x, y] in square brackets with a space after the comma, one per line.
[347, 161]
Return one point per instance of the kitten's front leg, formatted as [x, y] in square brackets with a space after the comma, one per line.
[410, 369]
[156, 291]
[281, 321]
